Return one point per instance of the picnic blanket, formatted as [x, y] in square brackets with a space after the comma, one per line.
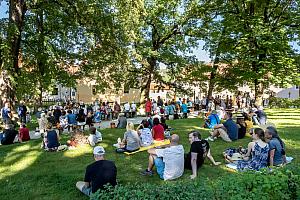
[155, 144]
[234, 165]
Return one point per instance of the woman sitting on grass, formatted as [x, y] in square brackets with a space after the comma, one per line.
[131, 141]
[51, 139]
[277, 155]
[145, 133]
[257, 154]
[242, 127]
[248, 122]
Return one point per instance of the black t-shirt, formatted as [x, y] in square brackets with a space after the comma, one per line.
[101, 173]
[242, 131]
[201, 148]
[9, 136]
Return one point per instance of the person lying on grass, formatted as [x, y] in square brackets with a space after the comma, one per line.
[228, 131]
[169, 162]
[198, 152]
[98, 174]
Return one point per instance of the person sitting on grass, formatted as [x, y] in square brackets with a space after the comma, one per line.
[212, 120]
[277, 156]
[248, 122]
[94, 137]
[261, 116]
[51, 140]
[228, 131]
[169, 162]
[257, 154]
[157, 130]
[242, 126]
[23, 133]
[122, 121]
[145, 133]
[163, 123]
[131, 141]
[9, 134]
[198, 152]
[98, 174]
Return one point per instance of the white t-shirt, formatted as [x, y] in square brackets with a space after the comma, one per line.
[173, 158]
[133, 107]
[127, 107]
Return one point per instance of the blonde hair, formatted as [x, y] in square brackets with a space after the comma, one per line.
[130, 126]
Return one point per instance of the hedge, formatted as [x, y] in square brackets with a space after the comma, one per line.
[275, 102]
[264, 185]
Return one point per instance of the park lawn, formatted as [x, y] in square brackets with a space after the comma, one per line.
[27, 172]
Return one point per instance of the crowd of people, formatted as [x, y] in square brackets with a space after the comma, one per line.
[265, 148]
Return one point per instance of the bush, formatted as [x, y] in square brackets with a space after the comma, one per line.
[247, 185]
[284, 103]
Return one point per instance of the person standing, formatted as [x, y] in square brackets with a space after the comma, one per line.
[117, 110]
[6, 113]
[98, 174]
[22, 110]
[160, 102]
[148, 107]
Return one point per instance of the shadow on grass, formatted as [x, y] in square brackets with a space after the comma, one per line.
[29, 172]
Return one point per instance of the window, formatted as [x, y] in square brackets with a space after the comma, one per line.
[55, 91]
[94, 90]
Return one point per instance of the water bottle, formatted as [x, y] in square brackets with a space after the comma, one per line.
[119, 140]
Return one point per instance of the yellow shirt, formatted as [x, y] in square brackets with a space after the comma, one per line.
[249, 125]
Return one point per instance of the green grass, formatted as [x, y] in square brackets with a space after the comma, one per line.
[27, 172]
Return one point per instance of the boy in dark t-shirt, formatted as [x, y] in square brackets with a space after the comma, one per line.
[198, 151]
[98, 174]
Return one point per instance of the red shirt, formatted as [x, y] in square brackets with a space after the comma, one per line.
[148, 106]
[158, 132]
[24, 134]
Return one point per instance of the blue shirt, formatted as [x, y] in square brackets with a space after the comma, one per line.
[71, 118]
[184, 108]
[275, 144]
[232, 129]
[214, 120]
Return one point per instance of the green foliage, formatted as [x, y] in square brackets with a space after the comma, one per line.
[279, 184]
[276, 102]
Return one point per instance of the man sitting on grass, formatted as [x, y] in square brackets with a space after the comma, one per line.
[228, 131]
[198, 152]
[169, 162]
[98, 174]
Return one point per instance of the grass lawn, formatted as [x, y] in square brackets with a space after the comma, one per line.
[27, 172]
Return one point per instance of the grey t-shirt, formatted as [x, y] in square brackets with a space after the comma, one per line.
[132, 140]
[275, 144]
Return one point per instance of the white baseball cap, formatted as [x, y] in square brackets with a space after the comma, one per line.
[99, 150]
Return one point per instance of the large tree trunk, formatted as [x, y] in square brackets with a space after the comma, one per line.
[145, 90]
[17, 11]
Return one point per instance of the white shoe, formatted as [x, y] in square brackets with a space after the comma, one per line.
[210, 139]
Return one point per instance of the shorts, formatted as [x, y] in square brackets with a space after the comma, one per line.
[160, 167]
[224, 135]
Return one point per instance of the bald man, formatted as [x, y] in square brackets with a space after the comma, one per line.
[169, 162]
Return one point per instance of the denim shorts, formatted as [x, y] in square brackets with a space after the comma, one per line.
[86, 190]
[160, 167]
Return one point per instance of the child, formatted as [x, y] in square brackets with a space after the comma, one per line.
[95, 136]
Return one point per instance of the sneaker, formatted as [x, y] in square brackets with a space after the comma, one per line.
[210, 139]
[147, 173]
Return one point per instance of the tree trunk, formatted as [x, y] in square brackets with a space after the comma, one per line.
[213, 73]
[145, 90]
[17, 11]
